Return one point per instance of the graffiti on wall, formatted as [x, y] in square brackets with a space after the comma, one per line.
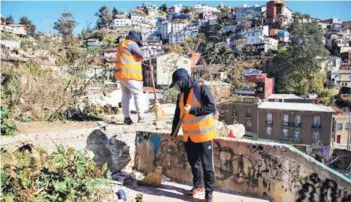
[247, 168]
[315, 189]
[253, 168]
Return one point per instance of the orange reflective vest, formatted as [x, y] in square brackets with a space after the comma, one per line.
[197, 128]
[128, 66]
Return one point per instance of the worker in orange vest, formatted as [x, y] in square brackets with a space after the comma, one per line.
[129, 73]
[198, 106]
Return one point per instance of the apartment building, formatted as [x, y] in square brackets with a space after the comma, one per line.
[14, 29]
[255, 35]
[298, 123]
[199, 8]
[178, 38]
[341, 129]
[170, 27]
[243, 110]
[120, 23]
[277, 12]
[247, 13]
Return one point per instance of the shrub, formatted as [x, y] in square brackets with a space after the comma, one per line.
[7, 126]
[65, 175]
[170, 95]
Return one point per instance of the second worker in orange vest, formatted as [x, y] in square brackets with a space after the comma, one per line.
[198, 106]
[129, 74]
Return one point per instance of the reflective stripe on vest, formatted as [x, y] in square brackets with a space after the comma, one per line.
[196, 132]
[198, 129]
[127, 66]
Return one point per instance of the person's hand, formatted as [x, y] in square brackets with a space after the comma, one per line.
[187, 108]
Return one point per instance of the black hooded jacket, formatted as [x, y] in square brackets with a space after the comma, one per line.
[208, 102]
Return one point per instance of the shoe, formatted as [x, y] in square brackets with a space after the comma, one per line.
[128, 121]
[194, 191]
[141, 119]
[208, 198]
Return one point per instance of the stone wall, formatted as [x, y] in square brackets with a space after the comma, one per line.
[276, 171]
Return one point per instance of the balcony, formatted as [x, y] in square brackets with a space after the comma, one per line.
[269, 122]
[290, 140]
[291, 124]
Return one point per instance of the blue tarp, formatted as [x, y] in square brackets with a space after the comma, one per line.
[251, 71]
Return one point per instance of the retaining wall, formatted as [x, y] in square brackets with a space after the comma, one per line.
[278, 172]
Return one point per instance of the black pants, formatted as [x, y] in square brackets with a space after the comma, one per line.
[200, 157]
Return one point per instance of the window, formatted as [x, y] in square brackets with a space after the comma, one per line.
[315, 136]
[338, 126]
[316, 121]
[269, 118]
[297, 120]
[248, 112]
[285, 132]
[285, 119]
[248, 123]
[338, 137]
[269, 131]
[347, 126]
[297, 134]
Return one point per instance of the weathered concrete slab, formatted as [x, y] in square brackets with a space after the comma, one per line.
[279, 172]
[112, 151]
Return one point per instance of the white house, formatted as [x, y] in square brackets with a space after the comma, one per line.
[175, 9]
[199, 8]
[150, 8]
[170, 27]
[177, 38]
[288, 16]
[255, 35]
[137, 20]
[10, 44]
[120, 23]
[247, 13]
[152, 49]
[15, 29]
[270, 44]
[167, 64]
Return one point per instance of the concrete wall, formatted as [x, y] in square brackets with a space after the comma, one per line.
[276, 171]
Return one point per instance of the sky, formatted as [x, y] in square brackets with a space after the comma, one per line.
[44, 13]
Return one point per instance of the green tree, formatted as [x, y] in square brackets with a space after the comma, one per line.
[9, 20]
[296, 70]
[104, 16]
[65, 26]
[29, 26]
[163, 8]
[114, 13]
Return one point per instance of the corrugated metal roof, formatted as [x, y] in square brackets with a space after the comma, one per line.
[295, 106]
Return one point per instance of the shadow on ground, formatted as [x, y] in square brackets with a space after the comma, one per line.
[163, 190]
